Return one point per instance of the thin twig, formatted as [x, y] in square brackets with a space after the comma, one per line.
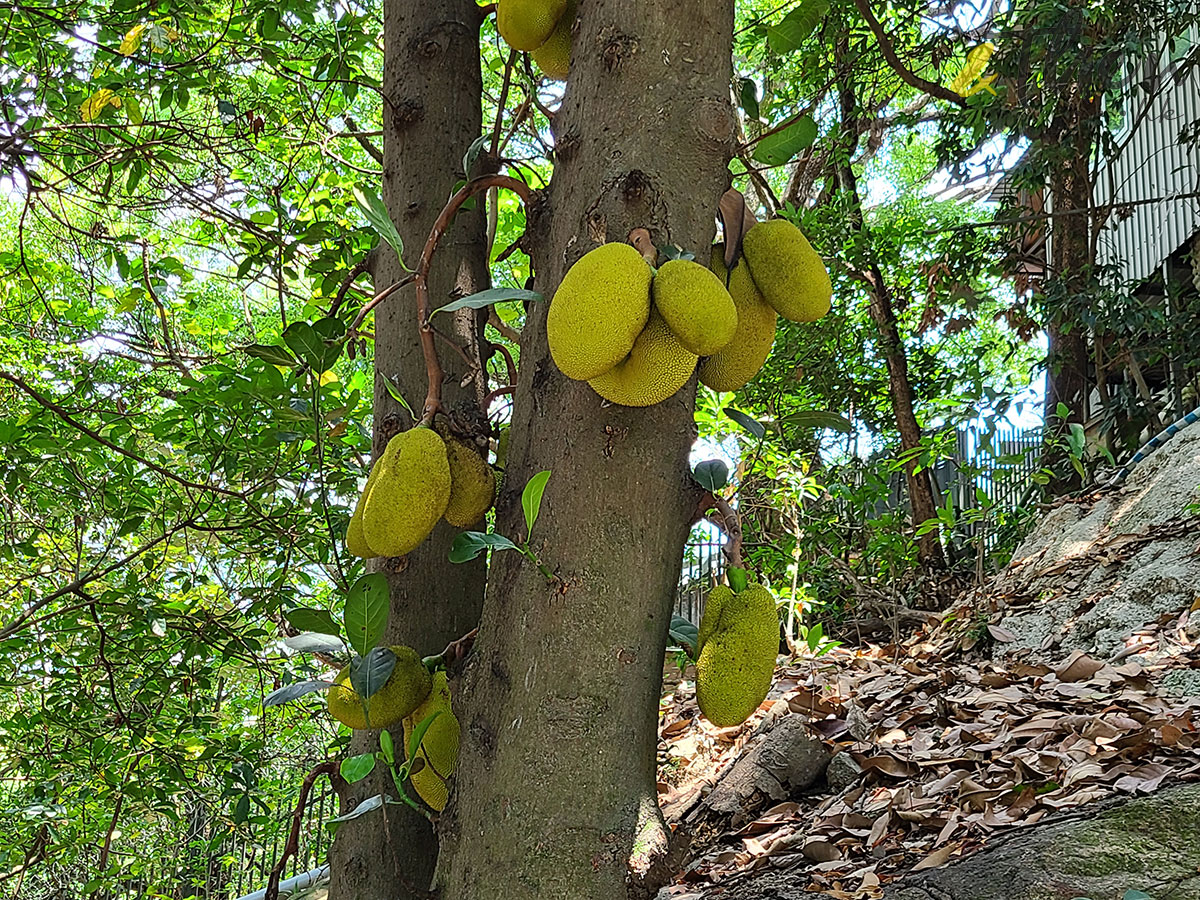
[907, 75]
[358, 269]
[508, 361]
[379, 298]
[498, 392]
[730, 523]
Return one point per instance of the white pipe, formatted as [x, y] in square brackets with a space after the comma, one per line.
[295, 883]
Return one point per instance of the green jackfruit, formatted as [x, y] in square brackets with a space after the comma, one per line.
[472, 485]
[554, 56]
[439, 746]
[739, 640]
[407, 686]
[740, 360]
[695, 305]
[410, 494]
[787, 270]
[527, 24]
[598, 311]
[656, 368]
[355, 542]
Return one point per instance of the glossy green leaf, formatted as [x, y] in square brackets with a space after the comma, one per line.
[366, 615]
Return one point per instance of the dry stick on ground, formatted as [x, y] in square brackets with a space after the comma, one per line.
[330, 768]
[433, 400]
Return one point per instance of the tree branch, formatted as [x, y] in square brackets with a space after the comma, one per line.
[907, 75]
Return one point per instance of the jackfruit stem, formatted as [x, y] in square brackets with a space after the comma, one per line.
[433, 399]
[729, 522]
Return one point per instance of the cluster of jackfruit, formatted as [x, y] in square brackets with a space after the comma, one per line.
[737, 646]
[410, 695]
[420, 478]
[406, 688]
[636, 335]
[541, 28]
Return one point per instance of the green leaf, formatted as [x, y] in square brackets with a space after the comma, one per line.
[1076, 439]
[366, 613]
[371, 803]
[737, 580]
[418, 735]
[473, 152]
[487, 298]
[387, 746]
[293, 691]
[314, 643]
[815, 418]
[133, 112]
[778, 147]
[685, 634]
[356, 768]
[748, 98]
[394, 393]
[377, 215]
[268, 25]
[469, 544]
[788, 36]
[531, 500]
[306, 344]
[369, 673]
[271, 353]
[755, 427]
[712, 474]
[306, 618]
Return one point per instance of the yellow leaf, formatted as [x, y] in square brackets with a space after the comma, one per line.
[328, 377]
[976, 64]
[91, 108]
[132, 39]
[985, 84]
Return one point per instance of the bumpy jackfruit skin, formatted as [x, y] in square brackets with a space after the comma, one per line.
[737, 659]
[598, 311]
[554, 56]
[439, 747]
[695, 305]
[406, 688]
[787, 270]
[410, 494]
[472, 485]
[527, 24]
[717, 598]
[730, 368]
[356, 543]
[657, 367]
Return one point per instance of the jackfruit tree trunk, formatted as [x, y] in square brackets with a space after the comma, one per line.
[555, 790]
[431, 113]
[922, 501]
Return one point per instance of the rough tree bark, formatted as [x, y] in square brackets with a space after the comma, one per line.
[432, 112]
[920, 489]
[1071, 259]
[555, 790]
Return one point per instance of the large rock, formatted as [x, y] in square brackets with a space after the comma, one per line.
[1093, 573]
[1151, 844]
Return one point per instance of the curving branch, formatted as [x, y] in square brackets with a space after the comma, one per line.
[433, 399]
[728, 520]
[907, 75]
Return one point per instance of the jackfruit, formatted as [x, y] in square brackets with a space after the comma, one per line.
[554, 56]
[407, 686]
[695, 305]
[787, 270]
[598, 311]
[527, 24]
[355, 542]
[731, 367]
[472, 485]
[410, 494]
[656, 368]
[439, 746]
[739, 640]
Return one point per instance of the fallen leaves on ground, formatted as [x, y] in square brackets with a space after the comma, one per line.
[938, 753]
